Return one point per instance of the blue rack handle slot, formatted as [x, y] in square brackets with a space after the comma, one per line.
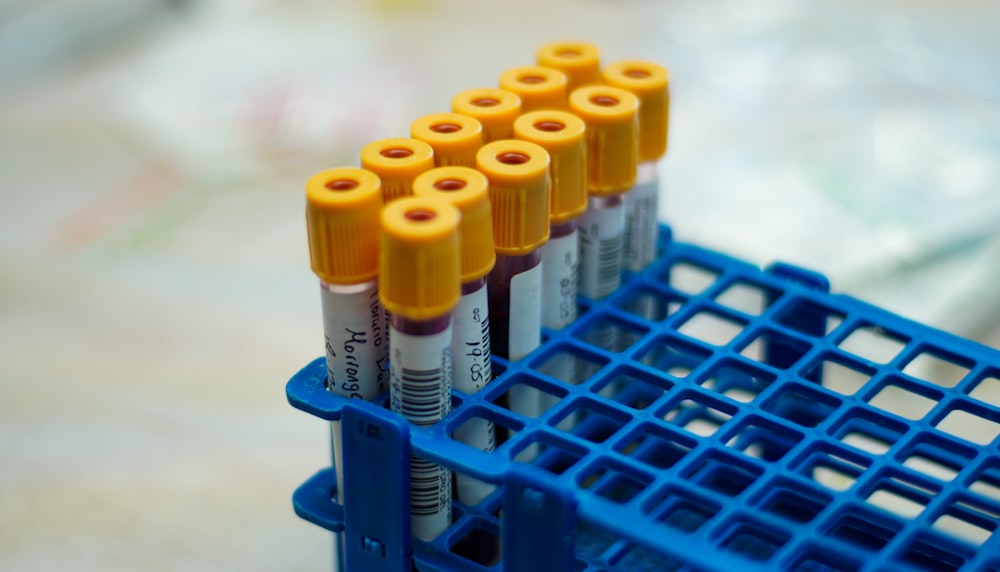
[312, 501]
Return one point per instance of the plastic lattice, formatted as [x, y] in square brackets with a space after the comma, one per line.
[706, 416]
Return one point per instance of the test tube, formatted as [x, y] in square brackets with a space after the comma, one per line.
[581, 62]
[420, 288]
[495, 109]
[397, 162]
[650, 83]
[454, 137]
[342, 217]
[561, 134]
[518, 172]
[467, 189]
[538, 87]
[612, 149]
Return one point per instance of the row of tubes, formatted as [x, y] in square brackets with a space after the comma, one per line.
[465, 239]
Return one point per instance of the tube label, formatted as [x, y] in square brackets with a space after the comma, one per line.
[560, 268]
[421, 376]
[356, 347]
[641, 224]
[421, 392]
[601, 234]
[525, 326]
[471, 342]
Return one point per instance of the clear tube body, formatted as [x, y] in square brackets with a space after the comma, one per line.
[472, 371]
[642, 230]
[515, 294]
[602, 230]
[420, 391]
[515, 301]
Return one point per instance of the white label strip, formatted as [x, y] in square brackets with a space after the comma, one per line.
[560, 267]
[601, 234]
[525, 327]
[471, 342]
[421, 392]
[356, 347]
[641, 225]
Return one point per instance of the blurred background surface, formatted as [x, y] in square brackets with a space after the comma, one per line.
[155, 291]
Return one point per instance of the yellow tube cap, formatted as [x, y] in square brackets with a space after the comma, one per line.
[538, 87]
[562, 135]
[420, 268]
[468, 190]
[397, 162]
[342, 210]
[518, 172]
[611, 115]
[495, 109]
[454, 137]
[580, 62]
[651, 84]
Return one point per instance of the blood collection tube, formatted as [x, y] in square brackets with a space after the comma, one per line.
[397, 162]
[495, 109]
[420, 288]
[538, 87]
[612, 149]
[454, 137]
[467, 189]
[562, 135]
[518, 172]
[650, 83]
[580, 62]
[342, 217]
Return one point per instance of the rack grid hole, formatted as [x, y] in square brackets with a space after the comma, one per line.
[712, 328]
[900, 497]
[737, 381]
[801, 405]
[928, 554]
[690, 278]
[934, 367]
[674, 357]
[930, 467]
[748, 298]
[632, 388]
[903, 402]
[697, 418]
[975, 533]
[873, 343]
[550, 455]
[725, 474]
[865, 529]
[755, 541]
[841, 376]
[570, 367]
[657, 448]
[615, 483]
[479, 545]
[612, 335]
[987, 390]
[969, 426]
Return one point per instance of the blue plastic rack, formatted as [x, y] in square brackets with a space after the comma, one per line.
[721, 418]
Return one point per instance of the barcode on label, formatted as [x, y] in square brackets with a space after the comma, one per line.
[609, 259]
[430, 487]
[424, 399]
